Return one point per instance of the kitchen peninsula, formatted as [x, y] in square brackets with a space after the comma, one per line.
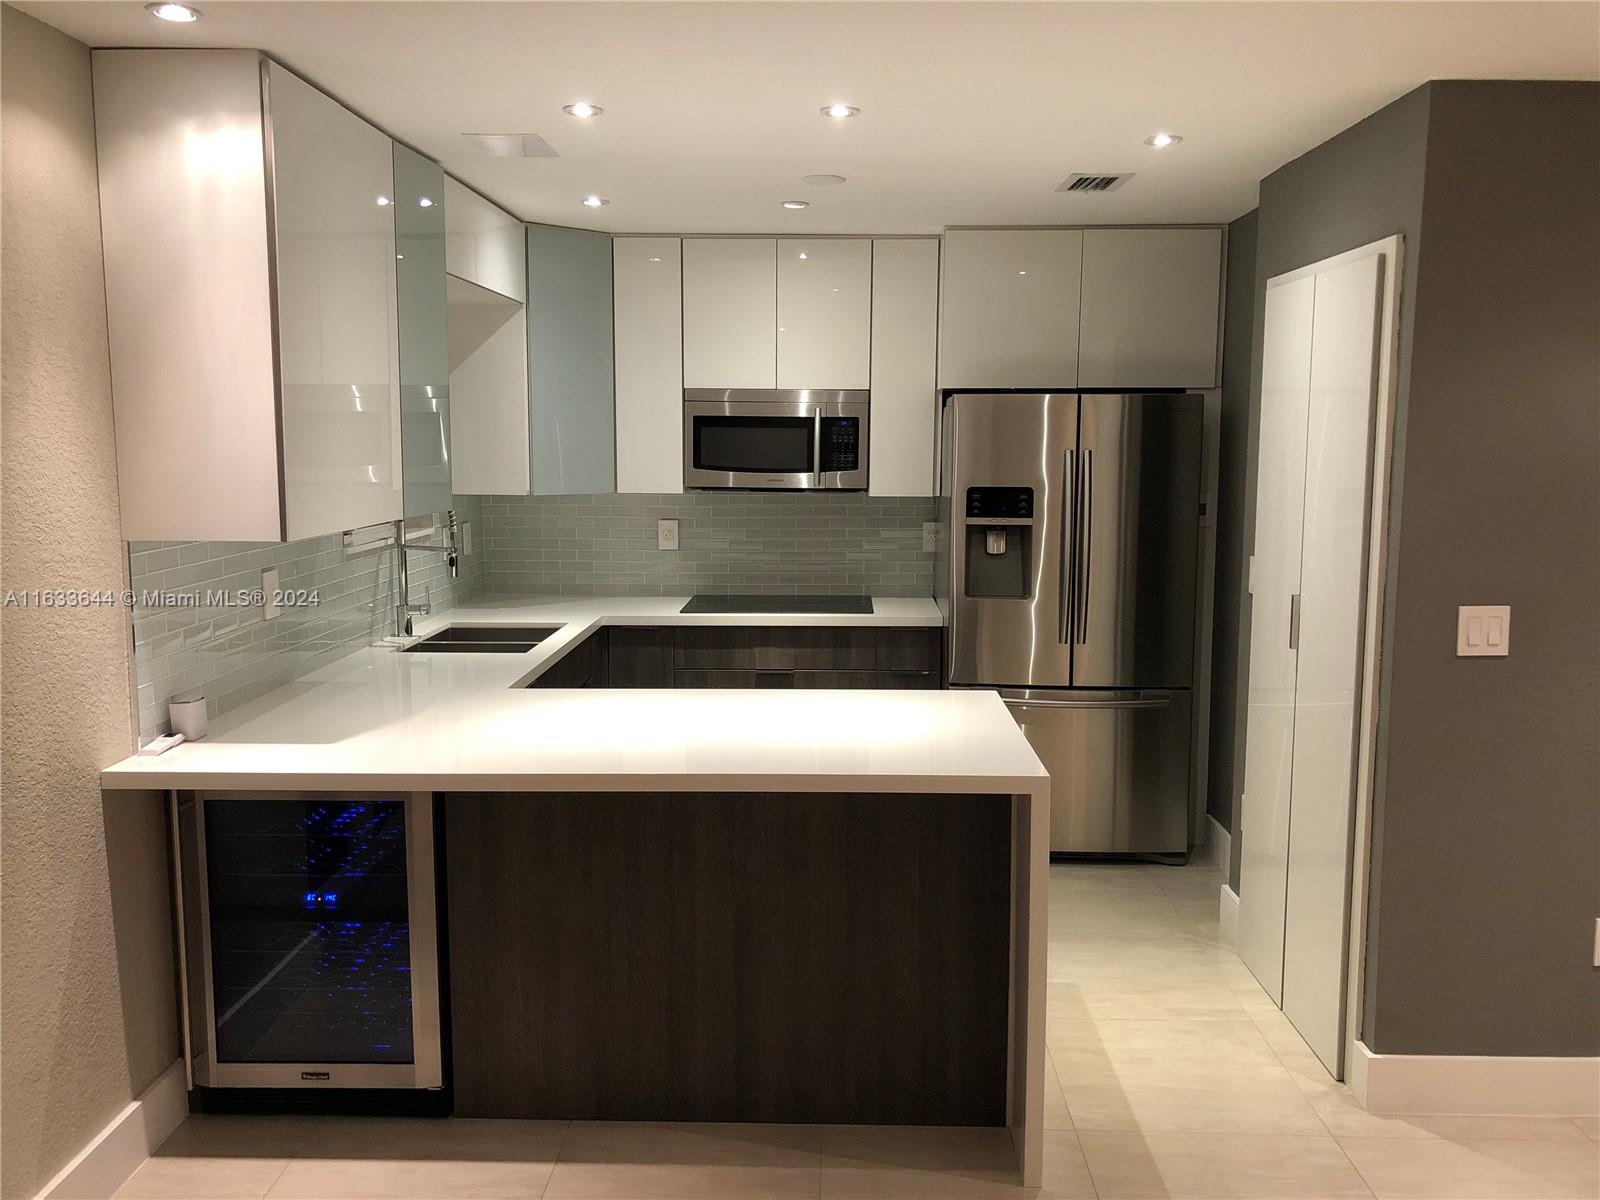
[701, 903]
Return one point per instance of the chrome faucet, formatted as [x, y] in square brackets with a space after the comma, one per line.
[404, 609]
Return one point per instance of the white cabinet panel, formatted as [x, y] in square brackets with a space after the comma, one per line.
[824, 312]
[1327, 677]
[483, 242]
[1150, 308]
[1274, 580]
[194, 391]
[730, 312]
[648, 301]
[488, 347]
[905, 400]
[337, 318]
[1009, 308]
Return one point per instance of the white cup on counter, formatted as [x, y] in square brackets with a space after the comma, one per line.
[188, 716]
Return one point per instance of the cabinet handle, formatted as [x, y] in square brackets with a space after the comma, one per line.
[1294, 621]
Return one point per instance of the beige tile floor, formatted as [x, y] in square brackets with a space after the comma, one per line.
[1171, 1075]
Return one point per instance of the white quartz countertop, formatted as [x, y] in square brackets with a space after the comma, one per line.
[382, 719]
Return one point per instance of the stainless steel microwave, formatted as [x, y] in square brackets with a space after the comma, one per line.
[798, 440]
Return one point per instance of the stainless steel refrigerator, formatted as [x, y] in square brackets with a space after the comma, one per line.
[1069, 586]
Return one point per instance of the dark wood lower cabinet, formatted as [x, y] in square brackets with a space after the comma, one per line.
[797, 958]
[777, 656]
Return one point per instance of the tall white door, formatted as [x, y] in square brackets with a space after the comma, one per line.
[1328, 673]
[1274, 581]
[1321, 356]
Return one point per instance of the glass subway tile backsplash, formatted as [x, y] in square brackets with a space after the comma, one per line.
[779, 543]
[765, 543]
[228, 651]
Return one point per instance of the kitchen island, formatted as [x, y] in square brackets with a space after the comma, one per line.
[808, 906]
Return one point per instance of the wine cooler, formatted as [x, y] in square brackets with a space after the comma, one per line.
[310, 940]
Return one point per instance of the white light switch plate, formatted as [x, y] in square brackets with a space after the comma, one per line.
[930, 536]
[667, 534]
[1483, 631]
[269, 592]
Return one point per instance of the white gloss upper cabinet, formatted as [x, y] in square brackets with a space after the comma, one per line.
[824, 312]
[648, 304]
[1009, 308]
[1150, 308]
[730, 312]
[905, 401]
[337, 320]
[484, 244]
[245, 415]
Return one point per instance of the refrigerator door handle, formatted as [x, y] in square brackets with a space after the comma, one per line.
[1148, 700]
[1085, 536]
[1067, 584]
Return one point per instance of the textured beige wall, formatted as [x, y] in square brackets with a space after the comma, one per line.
[81, 1035]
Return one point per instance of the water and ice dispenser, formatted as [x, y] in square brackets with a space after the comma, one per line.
[999, 548]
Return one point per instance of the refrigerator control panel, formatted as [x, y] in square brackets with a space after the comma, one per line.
[999, 504]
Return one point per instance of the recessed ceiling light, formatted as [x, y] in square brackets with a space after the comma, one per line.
[803, 254]
[822, 180]
[181, 14]
[384, 202]
[839, 111]
[582, 109]
[595, 202]
[424, 202]
[1158, 140]
[797, 204]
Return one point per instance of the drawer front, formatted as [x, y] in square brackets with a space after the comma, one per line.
[733, 679]
[909, 649]
[775, 648]
[815, 680]
[641, 658]
[907, 681]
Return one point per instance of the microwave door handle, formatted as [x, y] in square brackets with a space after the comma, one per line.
[816, 446]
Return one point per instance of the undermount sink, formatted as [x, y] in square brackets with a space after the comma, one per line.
[483, 639]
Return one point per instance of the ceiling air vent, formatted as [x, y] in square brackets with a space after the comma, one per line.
[512, 145]
[1094, 183]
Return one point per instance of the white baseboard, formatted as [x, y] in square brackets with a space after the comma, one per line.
[119, 1149]
[1462, 1085]
[1219, 844]
[1228, 915]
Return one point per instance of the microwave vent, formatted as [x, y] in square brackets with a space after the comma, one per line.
[1094, 183]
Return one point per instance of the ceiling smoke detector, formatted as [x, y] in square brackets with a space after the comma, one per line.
[512, 145]
[1094, 183]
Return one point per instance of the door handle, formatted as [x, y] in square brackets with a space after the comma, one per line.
[1143, 703]
[816, 446]
[1086, 540]
[1294, 621]
[1067, 584]
[1160, 701]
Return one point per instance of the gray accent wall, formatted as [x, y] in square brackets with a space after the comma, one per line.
[1486, 870]
[778, 543]
[1485, 875]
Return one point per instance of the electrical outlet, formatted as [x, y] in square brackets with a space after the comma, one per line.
[667, 534]
[930, 536]
[269, 593]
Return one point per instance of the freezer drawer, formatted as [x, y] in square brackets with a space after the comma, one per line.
[1118, 763]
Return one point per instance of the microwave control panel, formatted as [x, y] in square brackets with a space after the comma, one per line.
[841, 443]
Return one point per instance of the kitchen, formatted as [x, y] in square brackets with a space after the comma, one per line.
[738, 682]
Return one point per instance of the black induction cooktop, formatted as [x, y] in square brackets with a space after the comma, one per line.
[778, 604]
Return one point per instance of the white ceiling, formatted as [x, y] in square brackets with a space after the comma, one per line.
[972, 113]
